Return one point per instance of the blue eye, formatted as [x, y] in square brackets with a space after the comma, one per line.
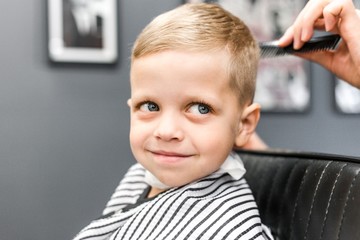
[200, 108]
[149, 107]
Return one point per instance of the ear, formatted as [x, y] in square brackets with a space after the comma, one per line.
[249, 120]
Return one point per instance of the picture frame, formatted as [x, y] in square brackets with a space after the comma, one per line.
[346, 97]
[283, 83]
[82, 31]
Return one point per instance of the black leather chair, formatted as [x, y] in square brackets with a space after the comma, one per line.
[306, 195]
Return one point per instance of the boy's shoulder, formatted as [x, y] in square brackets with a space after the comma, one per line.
[131, 186]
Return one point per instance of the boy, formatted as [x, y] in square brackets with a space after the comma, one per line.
[193, 73]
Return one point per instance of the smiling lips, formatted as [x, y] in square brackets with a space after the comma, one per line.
[169, 157]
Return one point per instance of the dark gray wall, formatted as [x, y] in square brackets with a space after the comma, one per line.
[64, 128]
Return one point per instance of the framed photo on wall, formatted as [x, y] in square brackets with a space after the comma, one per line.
[347, 97]
[82, 31]
[283, 83]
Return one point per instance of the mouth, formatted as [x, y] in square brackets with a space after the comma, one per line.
[170, 157]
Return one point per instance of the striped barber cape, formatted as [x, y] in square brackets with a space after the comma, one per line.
[215, 207]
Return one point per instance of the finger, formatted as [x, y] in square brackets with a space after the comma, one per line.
[346, 19]
[319, 24]
[304, 23]
[287, 38]
[332, 13]
[293, 33]
[297, 28]
[313, 12]
[341, 9]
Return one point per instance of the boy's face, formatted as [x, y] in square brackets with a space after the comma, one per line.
[185, 119]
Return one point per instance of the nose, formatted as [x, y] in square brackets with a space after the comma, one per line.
[169, 128]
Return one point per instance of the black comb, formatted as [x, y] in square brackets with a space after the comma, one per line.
[323, 43]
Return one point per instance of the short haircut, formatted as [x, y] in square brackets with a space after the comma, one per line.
[205, 27]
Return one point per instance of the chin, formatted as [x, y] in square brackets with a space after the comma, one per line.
[171, 182]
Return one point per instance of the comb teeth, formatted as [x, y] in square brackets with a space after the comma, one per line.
[323, 43]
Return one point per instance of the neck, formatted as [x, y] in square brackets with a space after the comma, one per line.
[154, 191]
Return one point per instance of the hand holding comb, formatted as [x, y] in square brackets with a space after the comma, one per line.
[322, 43]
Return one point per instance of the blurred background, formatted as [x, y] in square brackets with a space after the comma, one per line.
[64, 127]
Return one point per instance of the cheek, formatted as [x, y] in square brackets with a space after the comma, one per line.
[133, 138]
[137, 135]
[215, 141]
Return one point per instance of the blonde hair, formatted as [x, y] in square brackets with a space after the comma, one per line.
[205, 27]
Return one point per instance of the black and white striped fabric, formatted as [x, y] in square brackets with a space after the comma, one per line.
[216, 207]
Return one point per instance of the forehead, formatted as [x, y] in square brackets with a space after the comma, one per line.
[187, 67]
